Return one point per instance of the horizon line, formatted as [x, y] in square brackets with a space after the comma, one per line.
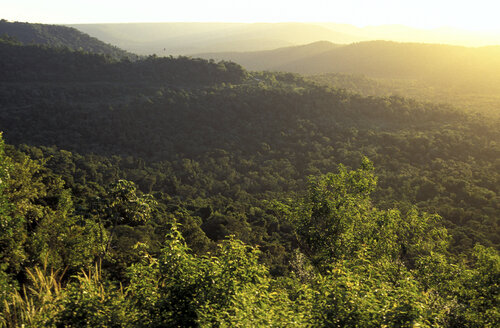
[441, 27]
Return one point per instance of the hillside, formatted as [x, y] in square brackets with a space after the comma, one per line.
[180, 192]
[177, 109]
[380, 59]
[265, 60]
[466, 77]
[433, 63]
[60, 36]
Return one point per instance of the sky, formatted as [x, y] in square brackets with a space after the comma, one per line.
[477, 15]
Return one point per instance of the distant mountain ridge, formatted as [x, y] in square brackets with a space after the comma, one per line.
[268, 59]
[166, 39]
[402, 33]
[386, 59]
[60, 36]
[466, 77]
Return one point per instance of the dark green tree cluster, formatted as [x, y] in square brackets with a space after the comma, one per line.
[36, 63]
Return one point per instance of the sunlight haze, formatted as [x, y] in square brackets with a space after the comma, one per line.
[477, 15]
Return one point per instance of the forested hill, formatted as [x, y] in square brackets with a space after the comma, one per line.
[469, 78]
[60, 36]
[270, 130]
[470, 67]
[270, 59]
[34, 63]
[135, 194]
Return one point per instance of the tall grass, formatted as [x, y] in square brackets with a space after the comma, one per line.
[36, 302]
[44, 302]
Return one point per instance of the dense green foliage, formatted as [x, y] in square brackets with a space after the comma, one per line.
[374, 268]
[259, 134]
[61, 37]
[175, 192]
[35, 63]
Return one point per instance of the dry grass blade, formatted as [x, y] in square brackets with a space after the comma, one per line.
[36, 301]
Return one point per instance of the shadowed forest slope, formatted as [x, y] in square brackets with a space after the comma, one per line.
[60, 36]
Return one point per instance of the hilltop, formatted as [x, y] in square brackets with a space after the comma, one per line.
[60, 36]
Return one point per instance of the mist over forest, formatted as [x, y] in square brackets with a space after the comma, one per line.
[248, 175]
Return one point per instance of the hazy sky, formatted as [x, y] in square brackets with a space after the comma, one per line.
[465, 14]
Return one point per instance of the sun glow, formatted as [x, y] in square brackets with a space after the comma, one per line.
[476, 15]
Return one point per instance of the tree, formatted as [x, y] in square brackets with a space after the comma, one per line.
[121, 206]
[12, 230]
[331, 220]
[226, 289]
[336, 219]
[11, 237]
